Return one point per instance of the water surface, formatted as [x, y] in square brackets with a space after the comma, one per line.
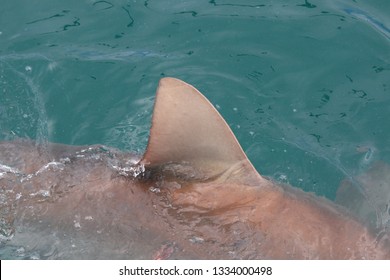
[303, 85]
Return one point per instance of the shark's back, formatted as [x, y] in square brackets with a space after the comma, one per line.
[193, 194]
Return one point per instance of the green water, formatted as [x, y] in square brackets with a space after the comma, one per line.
[303, 85]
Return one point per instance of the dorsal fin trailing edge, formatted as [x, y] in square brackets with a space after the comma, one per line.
[187, 130]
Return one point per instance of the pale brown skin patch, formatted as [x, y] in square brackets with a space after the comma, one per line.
[198, 197]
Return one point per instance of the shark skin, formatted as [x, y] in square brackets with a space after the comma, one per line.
[193, 195]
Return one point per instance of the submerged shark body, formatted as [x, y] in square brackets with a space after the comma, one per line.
[193, 194]
[373, 205]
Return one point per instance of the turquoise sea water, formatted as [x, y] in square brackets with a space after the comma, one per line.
[305, 86]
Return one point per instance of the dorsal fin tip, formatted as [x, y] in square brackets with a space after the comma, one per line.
[186, 128]
[171, 81]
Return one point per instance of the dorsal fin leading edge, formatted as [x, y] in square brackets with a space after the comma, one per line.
[187, 129]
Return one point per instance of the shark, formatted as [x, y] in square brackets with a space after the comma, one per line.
[193, 194]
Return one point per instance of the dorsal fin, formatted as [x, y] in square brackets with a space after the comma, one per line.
[187, 129]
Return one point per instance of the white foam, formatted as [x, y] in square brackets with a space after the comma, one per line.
[51, 165]
[43, 193]
[133, 171]
[8, 169]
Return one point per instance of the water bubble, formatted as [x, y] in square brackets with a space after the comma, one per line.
[282, 177]
[154, 190]
[52, 66]
[20, 250]
[196, 239]
[370, 153]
